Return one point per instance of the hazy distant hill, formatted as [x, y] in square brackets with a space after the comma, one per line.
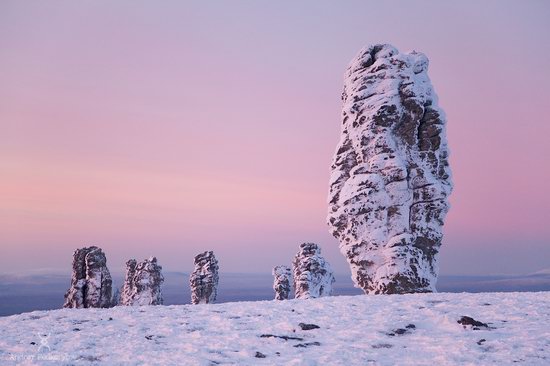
[43, 291]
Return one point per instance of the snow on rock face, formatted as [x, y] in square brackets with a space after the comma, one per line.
[128, 286]
[281, 282]
[91, 283]
[142, 283]
[390, 177]
[204, 279]
[313, 276]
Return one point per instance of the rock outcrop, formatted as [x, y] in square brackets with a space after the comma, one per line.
[91, 283]
[142, 283]
[204, 279]
[390, 176]
[313, 276]
[281, 282]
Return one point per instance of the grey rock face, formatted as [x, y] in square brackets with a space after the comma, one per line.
[313, 276]
[91, 283]
[390, 178]
[281, 282]
[142, 283]
[204, 279]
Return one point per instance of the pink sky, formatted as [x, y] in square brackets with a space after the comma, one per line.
[169, 129]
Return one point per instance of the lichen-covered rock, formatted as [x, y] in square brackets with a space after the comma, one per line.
[313, 276]
[281, 282]
[204, 279]
[390, 176]
[142, 283]
[91, 283]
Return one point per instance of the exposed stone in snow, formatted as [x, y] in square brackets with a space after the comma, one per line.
[390, 175]
[91, 283]
[204, 279]
[281, 282]
[142, 283]
[313, 276]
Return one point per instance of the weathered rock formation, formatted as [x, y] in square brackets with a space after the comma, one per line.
[390, 175]
[281, 282]
[91, 283]
[142, 283]
[204, 279]
[313, 276]
[128, 285]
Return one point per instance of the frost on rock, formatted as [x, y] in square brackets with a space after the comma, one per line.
[128, 286]
[390, 177]
[313, 276]
[281, 282]
[91, 283]
[204, 279]
[142, 283]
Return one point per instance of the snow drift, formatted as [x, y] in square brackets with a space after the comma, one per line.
[413, 329]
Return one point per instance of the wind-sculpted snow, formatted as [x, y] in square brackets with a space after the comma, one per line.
[281, 282]
[412, 329]
[390, 177]
[91, 283]
[204, 279]
[313, 276]
[142, 283]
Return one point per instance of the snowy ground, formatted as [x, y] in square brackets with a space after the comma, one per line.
[353, 330]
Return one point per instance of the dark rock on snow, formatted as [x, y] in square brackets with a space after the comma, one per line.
[466, 320]
[305, 326]
[286, 338]
[259, 355]
[304, 345]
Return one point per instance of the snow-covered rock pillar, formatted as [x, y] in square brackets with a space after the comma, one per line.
[390, 178]
[204, 279]
[91, 283]
[281, 282]
[128, 286]
[142, 283]
[313, 276]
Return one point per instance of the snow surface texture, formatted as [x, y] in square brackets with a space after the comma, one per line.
[390, 175]
[313, 276]
[281, 282]
[91, 283]
[412, 329]
[204, 279]
[142, 283]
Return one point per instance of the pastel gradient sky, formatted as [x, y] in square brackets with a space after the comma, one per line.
[173, 127]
